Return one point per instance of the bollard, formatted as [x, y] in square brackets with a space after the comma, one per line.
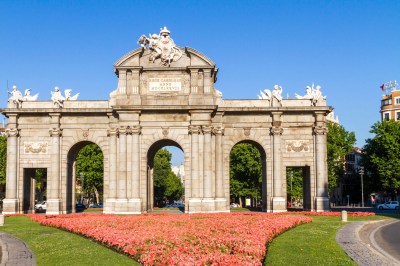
[344, 216]
[1, 219]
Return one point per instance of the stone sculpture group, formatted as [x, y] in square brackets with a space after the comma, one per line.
[56, 96]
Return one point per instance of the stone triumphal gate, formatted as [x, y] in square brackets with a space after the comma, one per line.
[165, 97]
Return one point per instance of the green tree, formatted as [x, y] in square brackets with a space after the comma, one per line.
[339, 143]
[3, 159]
[381, 157]
[245, 171]
[294, 184]
[167, 186]
[3, 164]
[90, 164]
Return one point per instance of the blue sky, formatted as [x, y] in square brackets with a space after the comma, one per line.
[347, 47]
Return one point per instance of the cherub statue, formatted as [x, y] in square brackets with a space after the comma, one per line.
[16, 96]
[277, 92]
[57, 97]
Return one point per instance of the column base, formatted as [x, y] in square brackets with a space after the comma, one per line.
[10, 206]
[206, 205]
[53, 206]
[109, 205]
[279, 204]
[322, 204]
[134, 206]
[222, 205]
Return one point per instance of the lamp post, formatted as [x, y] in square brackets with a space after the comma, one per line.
[362, 185]
[81, 178]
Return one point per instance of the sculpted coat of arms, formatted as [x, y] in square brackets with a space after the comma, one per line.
[161, 46]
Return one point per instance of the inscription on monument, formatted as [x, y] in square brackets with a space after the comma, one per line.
[165, 84]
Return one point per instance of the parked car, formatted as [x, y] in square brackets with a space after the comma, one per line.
[40, 206]
[96, 205]
[175, 205]
[80, 206]
[235, 205]
[389, 205]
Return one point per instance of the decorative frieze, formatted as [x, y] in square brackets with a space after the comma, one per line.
[297, 146]
[36, 147]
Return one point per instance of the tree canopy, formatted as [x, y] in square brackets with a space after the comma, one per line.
[3, 159]
[381, 157]
[245, 171]
[90, 166]
[339, 143]
[167, 186]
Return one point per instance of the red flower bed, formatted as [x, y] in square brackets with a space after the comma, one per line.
[201, 239]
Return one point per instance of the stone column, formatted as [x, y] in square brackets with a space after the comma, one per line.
[195, 188]
[279, 200]
[321, 197]
[134, 201]
[10, 203]
[122, 82]
[220, 200]
[112, 164]
[53, 183]
[207, 163]
[122, 160]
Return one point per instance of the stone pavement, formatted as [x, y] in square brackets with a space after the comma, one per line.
[15, 252]
[354, 238]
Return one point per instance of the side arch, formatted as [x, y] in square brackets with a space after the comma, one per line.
[263, 155]
[69, 183]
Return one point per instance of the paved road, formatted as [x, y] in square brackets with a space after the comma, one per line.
[359, 242]
[386, 239]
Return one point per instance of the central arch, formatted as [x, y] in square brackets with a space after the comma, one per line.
[151, 153]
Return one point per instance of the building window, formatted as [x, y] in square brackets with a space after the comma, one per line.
[397, 100]
[397, 115]
[386, 116]
[386, 102]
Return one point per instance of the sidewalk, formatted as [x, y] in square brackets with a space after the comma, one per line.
[15, 252]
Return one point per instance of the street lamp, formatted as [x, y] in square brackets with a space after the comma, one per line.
[81, 178]
[361, 172]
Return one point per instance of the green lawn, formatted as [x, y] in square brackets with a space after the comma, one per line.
[308, 244]
[312, 244]
[56, 247]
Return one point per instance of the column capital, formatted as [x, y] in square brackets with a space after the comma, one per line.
[194, 129]
[276, 130]
[123, 130]
[136, 130]
[218, 130]
[55, 132]
[320, 130]
[206, 129]
[12, 132]
[112, 131]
